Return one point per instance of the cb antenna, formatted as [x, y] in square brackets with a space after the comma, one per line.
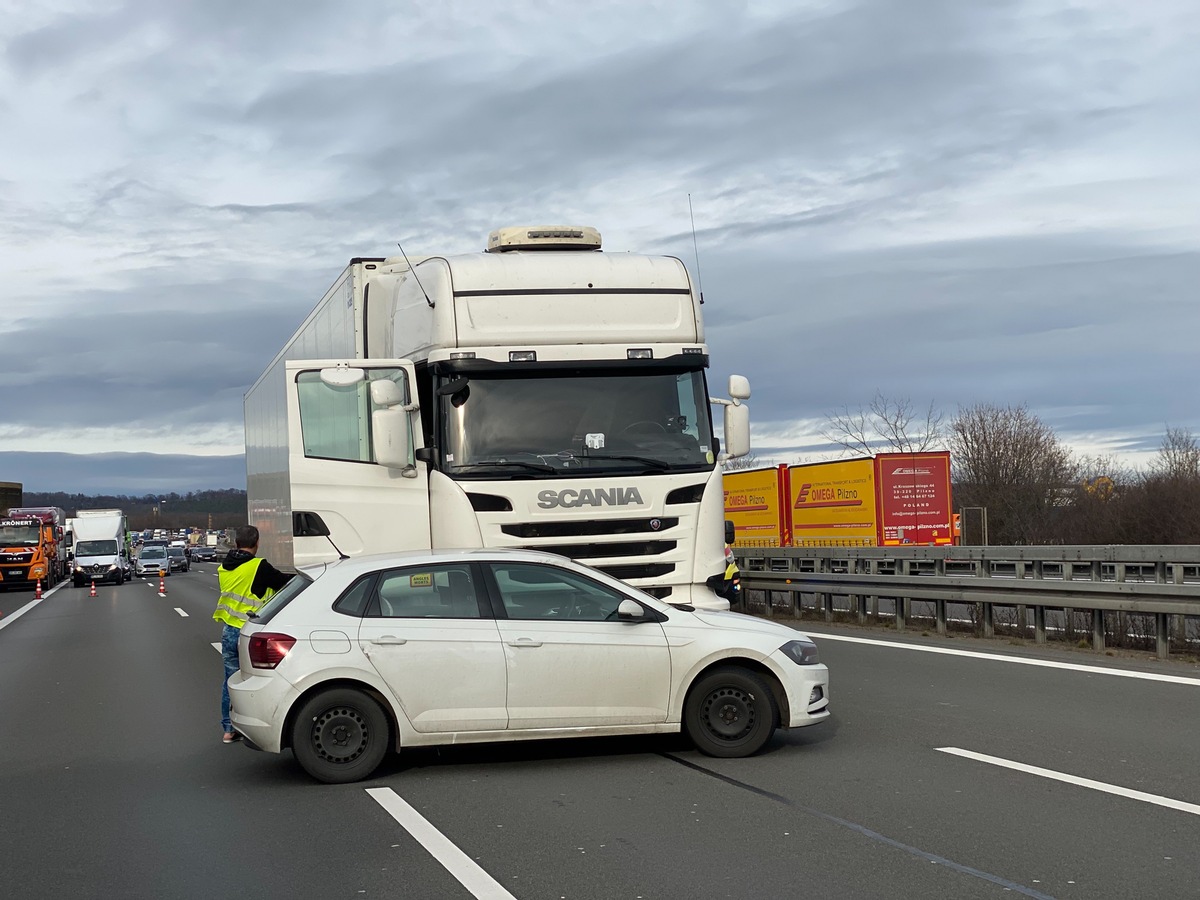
[695, 249]
[421, 286]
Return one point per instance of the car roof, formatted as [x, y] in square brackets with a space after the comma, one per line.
[356, 565]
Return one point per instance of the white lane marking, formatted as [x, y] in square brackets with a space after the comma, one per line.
[1016, 660]
[440, 847]
[216, 645]
[1157, 800]
[12, 617]
[181, 612]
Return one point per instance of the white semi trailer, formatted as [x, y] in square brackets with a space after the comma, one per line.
[541, 394]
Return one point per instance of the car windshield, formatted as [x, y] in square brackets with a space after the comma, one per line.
[154, 553]
[557, 423]
[176, 551]
[96, 548]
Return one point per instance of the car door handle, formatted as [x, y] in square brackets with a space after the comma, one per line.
[524, 642]
[388, 639]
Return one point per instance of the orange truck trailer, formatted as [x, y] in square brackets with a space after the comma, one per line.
[32, 547]
[891, 499]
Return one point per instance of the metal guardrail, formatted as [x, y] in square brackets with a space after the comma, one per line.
[1162, 582]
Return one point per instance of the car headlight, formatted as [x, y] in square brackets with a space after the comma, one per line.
[802, 653]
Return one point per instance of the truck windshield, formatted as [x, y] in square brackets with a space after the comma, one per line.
[555, 424]
[96, 548]
[20, 535]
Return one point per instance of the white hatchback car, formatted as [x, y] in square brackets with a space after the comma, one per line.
[373, 653]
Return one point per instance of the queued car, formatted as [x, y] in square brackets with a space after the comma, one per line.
[153, 559]
[179, 559]
[358, 657]
[203, 554]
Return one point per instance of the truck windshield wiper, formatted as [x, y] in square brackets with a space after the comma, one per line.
[504, 465]
[646, 460]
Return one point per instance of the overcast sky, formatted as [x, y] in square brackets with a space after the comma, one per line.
[954, 202]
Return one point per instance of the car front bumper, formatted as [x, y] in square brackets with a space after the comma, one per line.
[807, 690]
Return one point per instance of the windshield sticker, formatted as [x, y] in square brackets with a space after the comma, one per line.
[425, 580]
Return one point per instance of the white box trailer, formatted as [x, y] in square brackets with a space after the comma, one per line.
[542, 394]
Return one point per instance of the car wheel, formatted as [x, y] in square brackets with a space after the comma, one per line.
[730, 712]
[340, 736]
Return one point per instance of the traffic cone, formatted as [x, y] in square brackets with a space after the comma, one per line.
[92, 592]
[37, 594]
[162, 583]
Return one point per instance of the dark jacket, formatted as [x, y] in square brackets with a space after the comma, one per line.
[266, 578]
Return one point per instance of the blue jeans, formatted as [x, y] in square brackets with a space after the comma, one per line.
[229, 653]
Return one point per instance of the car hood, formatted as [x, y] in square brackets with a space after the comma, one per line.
[731, 621]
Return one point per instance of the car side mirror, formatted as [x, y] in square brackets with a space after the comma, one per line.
[630, 611]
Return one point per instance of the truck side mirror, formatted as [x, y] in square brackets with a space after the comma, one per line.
[737, 430]
[729, 531]
[390, 439]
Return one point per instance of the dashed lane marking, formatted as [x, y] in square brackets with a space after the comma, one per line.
[181, 612]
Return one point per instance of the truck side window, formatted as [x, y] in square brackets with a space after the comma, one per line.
[336, 421]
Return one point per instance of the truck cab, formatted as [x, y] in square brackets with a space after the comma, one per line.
[32, 547]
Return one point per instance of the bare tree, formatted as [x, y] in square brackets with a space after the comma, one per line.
[1178, 455]
[749, 461]
[1101, 501]
[1011, 462]
[887, 424]
[1166, 507]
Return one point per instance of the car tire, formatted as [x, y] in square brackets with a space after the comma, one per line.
[730, 712]
[339, 736]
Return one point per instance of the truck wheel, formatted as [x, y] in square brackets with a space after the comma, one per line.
[730, 712]
[120, 578]
[340, 736]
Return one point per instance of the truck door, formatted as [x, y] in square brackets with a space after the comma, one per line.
[353, 430]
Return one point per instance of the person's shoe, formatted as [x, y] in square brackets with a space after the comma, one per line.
[230, 737]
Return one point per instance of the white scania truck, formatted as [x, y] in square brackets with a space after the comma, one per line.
[541, 394]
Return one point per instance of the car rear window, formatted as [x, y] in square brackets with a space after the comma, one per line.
[282, 598]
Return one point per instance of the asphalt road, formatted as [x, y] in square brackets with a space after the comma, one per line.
[114, 782]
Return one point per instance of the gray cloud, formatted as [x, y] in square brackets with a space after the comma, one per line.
[952, 202]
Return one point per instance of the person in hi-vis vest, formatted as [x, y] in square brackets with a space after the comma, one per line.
[246, 583]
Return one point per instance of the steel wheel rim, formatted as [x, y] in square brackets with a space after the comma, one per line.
[340, 735]
[729, 713]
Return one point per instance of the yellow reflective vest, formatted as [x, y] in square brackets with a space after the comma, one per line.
[236, 603]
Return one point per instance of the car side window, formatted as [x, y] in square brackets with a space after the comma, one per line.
[425, 592]
[531, 591]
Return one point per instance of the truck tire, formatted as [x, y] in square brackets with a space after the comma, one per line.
[339, 736]
[730, 712]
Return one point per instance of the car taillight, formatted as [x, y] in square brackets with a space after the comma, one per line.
[268, 649]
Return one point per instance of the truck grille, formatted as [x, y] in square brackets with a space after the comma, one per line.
[16, 557]
[648, 570]
[604, 551]
[584, 529]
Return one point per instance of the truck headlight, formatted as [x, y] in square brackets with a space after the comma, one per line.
[37, 572]
[802, 653]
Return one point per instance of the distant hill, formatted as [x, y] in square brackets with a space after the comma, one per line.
[198, 509]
